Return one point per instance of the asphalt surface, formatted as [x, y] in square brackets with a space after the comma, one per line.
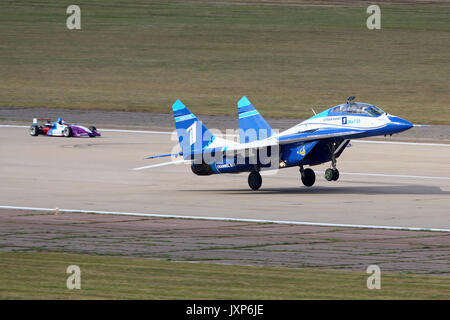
[94, 174]
[227, 242]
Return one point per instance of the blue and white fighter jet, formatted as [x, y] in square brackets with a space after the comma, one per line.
[319, 139]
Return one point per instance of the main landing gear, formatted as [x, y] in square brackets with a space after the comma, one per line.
[308, 176]
[254, 180]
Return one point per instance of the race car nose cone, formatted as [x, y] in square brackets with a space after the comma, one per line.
[400, 124]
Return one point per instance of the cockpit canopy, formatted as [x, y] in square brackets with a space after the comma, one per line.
[357, 108]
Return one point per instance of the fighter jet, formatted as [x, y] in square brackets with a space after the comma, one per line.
[319, 139]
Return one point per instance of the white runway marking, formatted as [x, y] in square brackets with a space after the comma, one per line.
[160, 165]
[136, 131]
[389, 175]
[342, 173]
[170, 132]
[12, 126]
[318, 224]
[404, 143]
[106, 130]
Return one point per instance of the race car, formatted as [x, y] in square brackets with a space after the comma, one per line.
[60, 128]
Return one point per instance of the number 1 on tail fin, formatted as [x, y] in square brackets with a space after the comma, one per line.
[192, 130]
[193, 136]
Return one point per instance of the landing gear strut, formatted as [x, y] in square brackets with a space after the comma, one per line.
[332, 174]
[308, 176]
[254, 180]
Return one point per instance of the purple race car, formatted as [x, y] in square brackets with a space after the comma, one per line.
[60, 128]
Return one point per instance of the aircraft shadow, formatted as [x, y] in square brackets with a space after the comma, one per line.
[355, 190]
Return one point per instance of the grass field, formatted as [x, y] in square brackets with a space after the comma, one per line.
[287, 57]
[43, 276]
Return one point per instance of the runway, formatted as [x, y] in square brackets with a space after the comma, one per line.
[386, 184]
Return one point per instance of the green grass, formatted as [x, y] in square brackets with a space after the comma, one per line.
[287, 58]
[43, 276]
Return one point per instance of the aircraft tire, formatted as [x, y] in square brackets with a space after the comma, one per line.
[335, 174]
[254, 180]
[308, 177]
[329, 174]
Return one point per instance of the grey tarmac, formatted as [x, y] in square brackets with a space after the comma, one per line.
[94, 174]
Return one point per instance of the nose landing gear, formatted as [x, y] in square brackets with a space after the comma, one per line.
[332, 174]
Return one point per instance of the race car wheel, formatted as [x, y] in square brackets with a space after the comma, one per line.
[93, 129]
[254, 180]
[308, 177]
[34, 131]
[67, 132]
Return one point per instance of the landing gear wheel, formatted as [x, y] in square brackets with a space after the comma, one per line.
[335, 174]
[34, 131]
[67, 132]
[308, 177]
[331, 174]
[254, 180]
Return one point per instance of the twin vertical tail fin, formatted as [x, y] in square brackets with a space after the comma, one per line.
[252, 125]
[193, 136]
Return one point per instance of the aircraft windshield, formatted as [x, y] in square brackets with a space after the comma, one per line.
[358, 108]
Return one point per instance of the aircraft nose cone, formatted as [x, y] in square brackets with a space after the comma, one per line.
[400, 124]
